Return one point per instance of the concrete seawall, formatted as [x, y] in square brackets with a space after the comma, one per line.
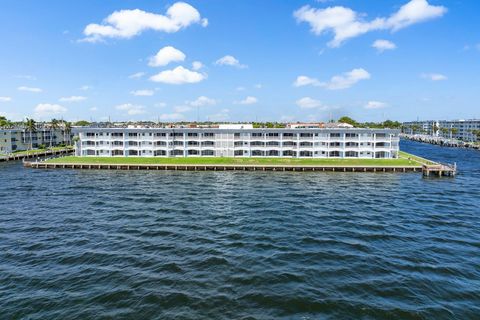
[22, 156]
[212, 167]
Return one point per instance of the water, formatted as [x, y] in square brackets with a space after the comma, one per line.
[241, 245]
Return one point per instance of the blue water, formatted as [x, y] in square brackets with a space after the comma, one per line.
[241, 245]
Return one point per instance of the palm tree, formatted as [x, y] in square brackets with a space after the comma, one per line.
[31, 127]
[53, 127]
[453, 131]
[67, 130]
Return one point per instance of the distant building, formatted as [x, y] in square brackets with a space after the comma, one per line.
[19, 139]
[238, 140]
[451, 129]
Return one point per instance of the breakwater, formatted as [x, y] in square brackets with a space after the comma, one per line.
[441, 141]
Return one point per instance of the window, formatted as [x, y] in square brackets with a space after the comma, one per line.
[207, 153]
[335, 135]
[208, 134]
[257, 134]
[306, 135]
[273, 143]
[132, 134]
[192, 134]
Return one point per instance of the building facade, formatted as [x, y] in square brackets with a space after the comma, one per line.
[12, 140]
[237, 142]
[464, 130]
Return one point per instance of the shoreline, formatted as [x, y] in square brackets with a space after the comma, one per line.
[440, 141]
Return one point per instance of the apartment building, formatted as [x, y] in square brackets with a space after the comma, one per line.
[451, 129]
[19, 139]
[238, 141]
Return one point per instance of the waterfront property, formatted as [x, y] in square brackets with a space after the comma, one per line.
[464, 130]
[19, 139]
[238, 141]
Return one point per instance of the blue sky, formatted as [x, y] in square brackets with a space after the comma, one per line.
[243, 60]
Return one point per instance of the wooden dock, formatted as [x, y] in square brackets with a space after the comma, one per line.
[439, 170]
[214, 167]
[33, 155]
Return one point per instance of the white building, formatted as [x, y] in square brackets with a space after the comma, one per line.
[17, 139]
[238, 142]
[451, 129]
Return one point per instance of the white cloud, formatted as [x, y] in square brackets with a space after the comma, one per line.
[375, 105]
[434, 76]
[85, 87]
[171, 116]
[347, 79]
[240, 88]
[343, 81]
[131, 109]
[248, 100]
[382, 45]
[345, 23]
[258, 86]
[197, 65]
[29, 89]
[182, 109]
[229, 60]
[306, 81]
[137, 75]
[160, 104]
[202, 101]
[47, 109]
[223, 115]
[308, 103]
[143, 93]
[93, 109]
[26, 77]
[72, 99]
[179, 75]
[129, 23]
[5, 99]
[166, 55]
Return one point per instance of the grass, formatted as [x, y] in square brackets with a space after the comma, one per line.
[406, 155]
[237, 161]
[35, 151]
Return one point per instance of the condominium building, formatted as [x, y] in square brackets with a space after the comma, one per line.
[452, 129]
[238, 141]
[17, 139]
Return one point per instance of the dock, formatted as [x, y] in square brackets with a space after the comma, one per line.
[439, 170]
[33, 155]
[215, 167]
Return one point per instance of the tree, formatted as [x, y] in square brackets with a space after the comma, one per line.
[82, 123]
[53, 127]
[348, 120]
[476, 133]
[31, 127]
[453, 131]
[67, 130]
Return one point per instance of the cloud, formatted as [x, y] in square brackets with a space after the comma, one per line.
[240, 88]
[258, 86]
[94, 109]
[137, 75]
[26, 77]
[166, 55]
[345, 23]
[347, 79]
[306, 81]
[142, 93]
[182, 109]
[433, 76]
[72, 99]
[223, 115]
[202, 101]
[375, 105]
[343, 81]
[47, 109]
[308, 103]
[230, 61]
[197, 65]
[179, 75]
[131, 109]
[129, 23]
[29, 89]
[5, 99]
[248, 100]
[382, 45]
[85, 88]
[171, 116]
[160, 104]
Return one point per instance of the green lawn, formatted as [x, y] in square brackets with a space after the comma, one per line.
[35, 151]
[235, 161]
[405, 155]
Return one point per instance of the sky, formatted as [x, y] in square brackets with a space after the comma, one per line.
[232, 60]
